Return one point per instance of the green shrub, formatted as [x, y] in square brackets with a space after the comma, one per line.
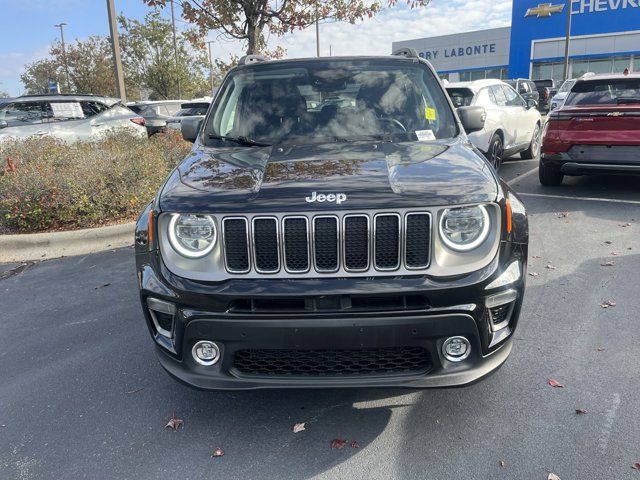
[46, 184]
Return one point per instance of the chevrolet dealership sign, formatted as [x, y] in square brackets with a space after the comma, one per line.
[581, 6]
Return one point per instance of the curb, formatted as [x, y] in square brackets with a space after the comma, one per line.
[39, 246]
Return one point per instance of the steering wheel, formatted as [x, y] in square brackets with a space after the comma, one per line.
[394, 123]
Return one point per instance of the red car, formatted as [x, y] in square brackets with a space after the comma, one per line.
[597, 130]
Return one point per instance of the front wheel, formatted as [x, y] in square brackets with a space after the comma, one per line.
[534, 146]
[549, 176]
[495, 151]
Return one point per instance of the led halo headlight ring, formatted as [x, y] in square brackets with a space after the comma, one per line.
[178, 247]
[465, 247]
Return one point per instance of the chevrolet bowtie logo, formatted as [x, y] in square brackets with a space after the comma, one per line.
[544, 10]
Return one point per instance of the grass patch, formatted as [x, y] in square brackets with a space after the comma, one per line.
[46, 184]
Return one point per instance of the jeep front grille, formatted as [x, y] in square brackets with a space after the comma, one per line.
[377, 243]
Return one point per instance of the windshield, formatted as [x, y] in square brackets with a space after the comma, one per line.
[605, 92]
[332, 101]
[461, 97]
[190, 109]
[566, 86]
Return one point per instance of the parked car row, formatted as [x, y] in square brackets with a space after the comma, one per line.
[162, 114]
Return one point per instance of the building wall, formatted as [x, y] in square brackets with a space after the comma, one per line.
[451, 54]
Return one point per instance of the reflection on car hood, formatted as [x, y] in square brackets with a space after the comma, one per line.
[371, 174]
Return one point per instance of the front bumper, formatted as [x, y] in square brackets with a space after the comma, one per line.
[380, 313]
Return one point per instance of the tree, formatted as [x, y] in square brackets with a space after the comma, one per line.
[149, 60]
[249, 20]
[37, 74]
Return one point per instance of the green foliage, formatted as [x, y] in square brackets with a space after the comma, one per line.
[51, 185]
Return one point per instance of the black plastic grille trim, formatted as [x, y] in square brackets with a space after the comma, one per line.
[325, 241]
[417, 240]
[265, 244]
[356, 242]
[332, 363]
[236, 244]
[387, 241]
[296, 244]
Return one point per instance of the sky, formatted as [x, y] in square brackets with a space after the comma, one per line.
[27, 29]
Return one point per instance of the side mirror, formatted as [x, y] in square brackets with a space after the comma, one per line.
[472, 118]
[190, 128]
[531, 103]
[3, 124]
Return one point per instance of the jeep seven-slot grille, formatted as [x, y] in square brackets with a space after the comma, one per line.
[354, 242]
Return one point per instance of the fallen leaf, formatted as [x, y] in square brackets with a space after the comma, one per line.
[298, 427]
[624, 225]
[533, 274]
[550, 267]
[609, 263]
[636, 466]
[218, 452]
[580, 411]
[554, 383]
[600, 349]
[608, 304]
[502, 463]
[338, 443]
[354, 444]
[562, 214]
[102, 286]
[174, 423]
[553, 476]
[536, 256]
[608, 242]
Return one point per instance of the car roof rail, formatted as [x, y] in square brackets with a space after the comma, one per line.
[406, 52]
[248, 59]
[587, 75]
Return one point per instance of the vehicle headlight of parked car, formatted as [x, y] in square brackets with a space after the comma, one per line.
[192, 236]
[465, 228]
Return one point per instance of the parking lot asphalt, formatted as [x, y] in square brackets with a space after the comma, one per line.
[82, 396]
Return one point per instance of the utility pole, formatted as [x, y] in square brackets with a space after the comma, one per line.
[115, 47]
[317, 32]
[210, 66]
[567, 41]
[175, 50]
[64, 54]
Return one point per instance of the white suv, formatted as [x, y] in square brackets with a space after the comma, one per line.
[512, 125]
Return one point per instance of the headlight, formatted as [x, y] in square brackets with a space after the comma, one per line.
[192, 236]
[464, 228]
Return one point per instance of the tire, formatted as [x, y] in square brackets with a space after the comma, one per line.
[549, 176]
[534, 146]
[495, 151]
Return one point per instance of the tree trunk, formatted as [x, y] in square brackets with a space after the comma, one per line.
[253, 35]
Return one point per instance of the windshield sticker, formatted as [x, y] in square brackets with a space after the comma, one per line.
[425, 135]
[430, 114]
[67, 110]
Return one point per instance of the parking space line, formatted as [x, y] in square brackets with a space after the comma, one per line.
[590, 199]
[524, 175]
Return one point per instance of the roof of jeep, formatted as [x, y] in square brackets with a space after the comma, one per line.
[306, 60]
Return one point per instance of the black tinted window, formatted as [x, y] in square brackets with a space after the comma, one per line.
[92, 108]
[605, 92]
[22, 113]
[461, 97]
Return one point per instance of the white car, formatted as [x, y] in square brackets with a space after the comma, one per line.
[558, 99]
[188, 110]
[67, 117]
[512, 125]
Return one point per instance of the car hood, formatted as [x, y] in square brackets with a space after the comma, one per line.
[370, 174]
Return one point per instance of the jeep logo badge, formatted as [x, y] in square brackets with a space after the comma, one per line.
[331, 197]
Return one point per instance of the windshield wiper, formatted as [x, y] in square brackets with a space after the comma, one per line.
[239, 140]
[621, 100]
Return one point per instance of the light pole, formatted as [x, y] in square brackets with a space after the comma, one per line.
[64, 53]
[115, 47]
[175, 50]
[317, 32]
[210, 66]
[567, 40]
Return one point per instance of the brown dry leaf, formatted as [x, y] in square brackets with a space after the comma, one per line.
[550, 267]
[174, 423]
[609, 263]
[298, 427]
[580, 411]
[636, 466]
[338, 443]
[554, 383]
[218, 452]
[608, 304]
[553, 476]
[502, 463]
[354, 444]
[535, 256]
[534, 274]
[600, 349]
[625, 225]
[562, 214]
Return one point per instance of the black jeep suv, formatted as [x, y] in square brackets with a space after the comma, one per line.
[332, 227]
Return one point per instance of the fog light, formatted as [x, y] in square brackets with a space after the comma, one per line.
[205, 352]
[456, 349]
